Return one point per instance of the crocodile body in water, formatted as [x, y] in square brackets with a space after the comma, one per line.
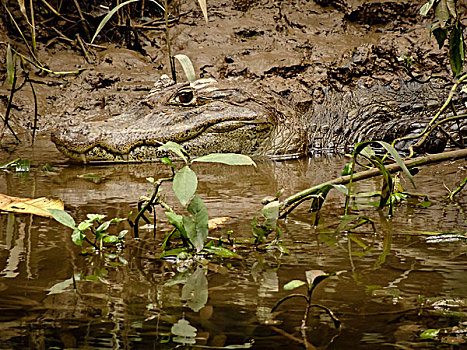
[229, 116]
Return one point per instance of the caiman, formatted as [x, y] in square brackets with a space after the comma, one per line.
[207, 116]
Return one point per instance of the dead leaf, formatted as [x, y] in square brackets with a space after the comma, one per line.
[216, 222]
[37, 206]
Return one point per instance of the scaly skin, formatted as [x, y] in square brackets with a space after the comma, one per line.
[230, 116]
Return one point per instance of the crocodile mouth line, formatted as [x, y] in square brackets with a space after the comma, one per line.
[137, 152]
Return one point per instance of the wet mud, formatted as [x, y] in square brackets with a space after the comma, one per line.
[295, 48]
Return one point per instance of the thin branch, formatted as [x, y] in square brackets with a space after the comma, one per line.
[288, 204]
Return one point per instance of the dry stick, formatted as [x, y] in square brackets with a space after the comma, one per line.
[20, 32]
[83, 48]
[8, 108]
[33, 28]
[167, 39]
[34, 128]
[85, 27]
[288, 204]
[51, 8]
[143, 5]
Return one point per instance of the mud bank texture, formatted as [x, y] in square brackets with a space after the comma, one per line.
[295, 48]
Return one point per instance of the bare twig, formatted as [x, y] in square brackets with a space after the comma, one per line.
[34, 128]
[83, 20]
[288, 204]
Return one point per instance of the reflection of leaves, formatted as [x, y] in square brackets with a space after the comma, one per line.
[266, 221]
[195, 290]
[294, 284]
[94, 178]
[196, 226]
[429, 334]
[183, 329]
[185, 333]
[37, 206]
[63, 286]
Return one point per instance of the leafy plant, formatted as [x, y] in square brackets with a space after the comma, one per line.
[94, 225]
[387, 190]
[313, 278]
[193, 228]
[447, 26]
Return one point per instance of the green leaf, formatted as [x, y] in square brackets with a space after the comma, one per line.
[425, 8]
[451, 5]
[10, 163]
[108, 16]
[187, 66]
[95, 217]
[111, 239]
[63, 217]
[104, 226]
[195, 290]
[392, 151]
[226, 158]
[197, 226]
[172, 252]
[347, 169]
[368, 152]
[77, 237]
[175, 148]
[456, 50]
[167, 161]
[10, 65]
[442, 13]
[294, 284]
[425, 203]
[185, 183]
[177, 221]
[341, 188]
[429, 334]
[441, 35]
[271, 212]
[83, 226]
[122, 234]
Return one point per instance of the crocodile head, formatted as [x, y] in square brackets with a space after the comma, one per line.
[204, 116]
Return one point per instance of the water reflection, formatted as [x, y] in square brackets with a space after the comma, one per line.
[53, 296]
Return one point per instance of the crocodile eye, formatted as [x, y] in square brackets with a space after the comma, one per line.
[184, 97]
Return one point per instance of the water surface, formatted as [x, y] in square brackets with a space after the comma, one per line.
[385, 277]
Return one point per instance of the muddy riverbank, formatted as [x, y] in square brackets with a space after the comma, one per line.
[297, 49]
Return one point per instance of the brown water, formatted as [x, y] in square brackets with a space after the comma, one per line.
[384, 276]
